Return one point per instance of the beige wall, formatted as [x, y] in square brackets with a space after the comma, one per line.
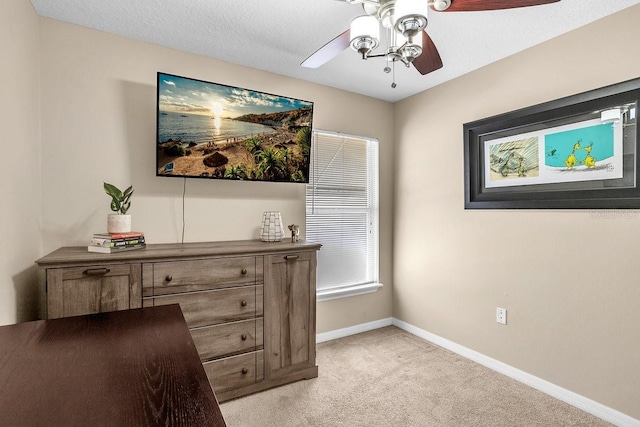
[572, 321]
[20, 183]
[98, 124]
[567, 278]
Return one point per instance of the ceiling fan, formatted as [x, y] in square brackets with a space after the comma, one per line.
[405, 21]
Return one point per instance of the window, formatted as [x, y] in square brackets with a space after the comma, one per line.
[342, 213]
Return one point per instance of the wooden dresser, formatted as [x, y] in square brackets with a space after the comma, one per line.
[250, 305]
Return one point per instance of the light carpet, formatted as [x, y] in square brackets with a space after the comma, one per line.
[388, 377]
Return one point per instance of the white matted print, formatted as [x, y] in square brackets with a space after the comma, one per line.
[583, 151]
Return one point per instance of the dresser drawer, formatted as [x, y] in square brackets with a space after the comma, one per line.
[215, 307]
[203, 274]
[235, 371]
[228, 339]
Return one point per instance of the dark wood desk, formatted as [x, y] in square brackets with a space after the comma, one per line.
[127, 368]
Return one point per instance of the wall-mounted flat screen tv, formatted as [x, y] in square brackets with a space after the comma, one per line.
[211, 130]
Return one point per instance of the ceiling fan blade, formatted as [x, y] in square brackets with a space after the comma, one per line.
[478, 5]
[430, 59]
[329, 51]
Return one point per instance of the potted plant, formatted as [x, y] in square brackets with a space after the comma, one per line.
[120, 221]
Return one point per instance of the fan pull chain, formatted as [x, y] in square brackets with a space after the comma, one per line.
[393, 75]
[391, 38]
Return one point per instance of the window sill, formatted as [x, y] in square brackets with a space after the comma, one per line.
[347, 291]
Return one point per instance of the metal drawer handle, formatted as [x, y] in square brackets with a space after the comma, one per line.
[96, 271]
[244, 371]
[243, 303]
[168, 278]
[243, 337]
[289, 257]
[244, 271]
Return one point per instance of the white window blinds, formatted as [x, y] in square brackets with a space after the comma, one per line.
[342, 212]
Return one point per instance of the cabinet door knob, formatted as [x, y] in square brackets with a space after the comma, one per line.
[244, 337]
[244, 271]
[168, 278]
[243, 303]
[244, 371]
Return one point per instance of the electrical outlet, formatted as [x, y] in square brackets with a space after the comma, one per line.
[501, 315]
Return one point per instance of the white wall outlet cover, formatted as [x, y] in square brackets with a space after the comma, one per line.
[501, 315]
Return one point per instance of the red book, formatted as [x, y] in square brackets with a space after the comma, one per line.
[119, 235]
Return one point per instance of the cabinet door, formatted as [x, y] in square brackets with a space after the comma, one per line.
[92, 289]
[289, 313]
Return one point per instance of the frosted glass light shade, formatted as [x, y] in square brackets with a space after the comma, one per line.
[365, 33]
[405, 8]
[410, 16]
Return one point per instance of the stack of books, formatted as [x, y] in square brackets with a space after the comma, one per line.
[108, 243]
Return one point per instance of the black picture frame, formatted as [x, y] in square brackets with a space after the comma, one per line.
[621, 193]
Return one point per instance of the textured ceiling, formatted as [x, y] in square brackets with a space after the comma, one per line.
[277, 35]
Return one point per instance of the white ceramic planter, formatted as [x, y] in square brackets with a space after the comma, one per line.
[117, 223]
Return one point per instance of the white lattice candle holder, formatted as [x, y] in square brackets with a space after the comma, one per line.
[271, 229]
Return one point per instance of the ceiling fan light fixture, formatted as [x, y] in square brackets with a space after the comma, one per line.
[411, 52]
[365, 34]
[406, 41]
[410, 16]
[411, 49]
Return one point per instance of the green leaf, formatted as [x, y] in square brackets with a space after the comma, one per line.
[120, 202]
[112, 191]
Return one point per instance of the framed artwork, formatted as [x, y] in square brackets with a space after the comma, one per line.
[578, 152]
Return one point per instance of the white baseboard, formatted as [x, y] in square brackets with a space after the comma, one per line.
[352, 330]
[599, 410]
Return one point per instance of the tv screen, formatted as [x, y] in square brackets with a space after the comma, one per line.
[211, 130]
